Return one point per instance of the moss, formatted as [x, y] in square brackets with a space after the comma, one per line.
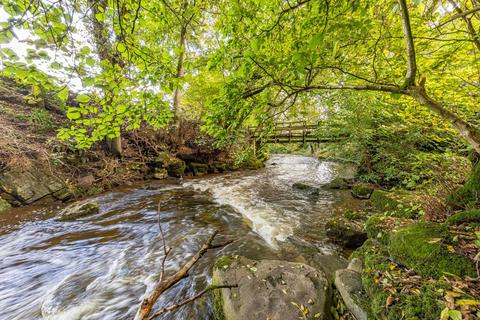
[427, 305]
[374, 226]
[468, 196]
[419, 247]
[362, 191]
[465, 216]
[4, 205]
[354, 215]
[217, 304]
[198, 169]
[395, 204]
[224, 262]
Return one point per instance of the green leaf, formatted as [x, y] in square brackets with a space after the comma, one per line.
[83, 98]
[73, 113]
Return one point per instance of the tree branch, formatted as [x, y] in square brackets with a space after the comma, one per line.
[165, 284]
[195, 297]
[409, 45]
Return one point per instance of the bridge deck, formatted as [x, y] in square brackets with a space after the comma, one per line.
[289, 132]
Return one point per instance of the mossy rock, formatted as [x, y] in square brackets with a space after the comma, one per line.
[396, 204]
[175, 167]
[362, 191]
[419, 246]
[339, 183]
[426, 305]
[465, 217]
[198, 169]
[468, 196]
[379, 226]
[4, 205]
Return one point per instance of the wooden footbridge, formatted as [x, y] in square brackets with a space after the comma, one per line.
[289, 132]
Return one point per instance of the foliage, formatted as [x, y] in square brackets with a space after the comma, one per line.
[41, 120]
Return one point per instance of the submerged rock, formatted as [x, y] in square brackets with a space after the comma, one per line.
[269, 289]
[348, 233]
[306, 189]
[78, 210]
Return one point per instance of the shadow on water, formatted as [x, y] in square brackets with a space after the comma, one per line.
[99, 267]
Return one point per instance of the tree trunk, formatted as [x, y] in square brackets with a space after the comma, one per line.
[180, 73]
[466, 129]
[115, 145]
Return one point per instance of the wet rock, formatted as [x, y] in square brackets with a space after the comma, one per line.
[348, 233]
[27, 186]
[339, 183]
[362, 191]
[269, 289]
[160, 173]
[349, 283]
[4, 205]
[78, 210]
[306, 189]
[198, 169]
[328, 264]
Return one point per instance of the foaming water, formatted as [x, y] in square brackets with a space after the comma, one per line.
[101, 266]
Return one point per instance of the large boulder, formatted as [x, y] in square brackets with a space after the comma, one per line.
[348, 233]
[78, 210]
[4, 205]
[269, 289]
[27, 186]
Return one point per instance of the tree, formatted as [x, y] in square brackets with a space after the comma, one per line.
[314, 46]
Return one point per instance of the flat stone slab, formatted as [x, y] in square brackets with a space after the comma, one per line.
[269, 289]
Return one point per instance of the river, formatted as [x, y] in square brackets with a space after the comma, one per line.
[100, 267]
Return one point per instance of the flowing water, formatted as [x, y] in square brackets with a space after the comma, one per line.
[100, 267]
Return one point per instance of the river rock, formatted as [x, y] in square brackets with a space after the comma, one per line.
[198, 169]
[269, 289]
[349, 283]
[348, 233]
[4, 205]
[362, 191]
[78, 210]
[339, 183]
[29, 185]
[174, 166]
[306, 189]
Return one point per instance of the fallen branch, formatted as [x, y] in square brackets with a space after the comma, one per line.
[195, 297]
[164, 284]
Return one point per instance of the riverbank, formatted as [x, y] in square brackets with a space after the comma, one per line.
[418, 262]
[36, 166]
